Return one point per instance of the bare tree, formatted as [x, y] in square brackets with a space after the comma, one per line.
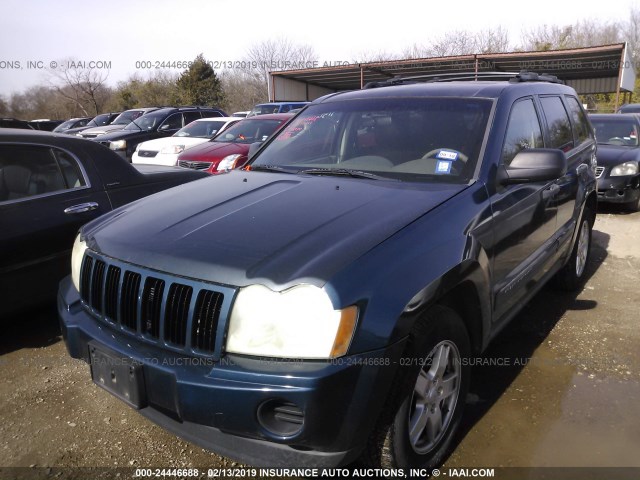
[462, 42]
[585, 33]
[631, 33]
[370, 57]
[278, 54]
[4, 107]
[493, 40]
[242, 90]
[85, 87]
[415, 51]
[158, 88]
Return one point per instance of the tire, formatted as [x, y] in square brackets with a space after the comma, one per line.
[426, 400]
[572, 274]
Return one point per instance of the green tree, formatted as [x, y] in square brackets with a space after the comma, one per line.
[199, 84]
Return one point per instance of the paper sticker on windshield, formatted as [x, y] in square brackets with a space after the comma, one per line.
[443, 167]
[447, 155]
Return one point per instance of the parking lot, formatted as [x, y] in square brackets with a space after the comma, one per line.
[558, 387]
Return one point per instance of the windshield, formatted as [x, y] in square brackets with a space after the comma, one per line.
[201, 129]
[64, 125]
[125, 118]
[248, 131]
[433, 139]
[99, 120]
[616, 132]
[145, 122]
[264, 109]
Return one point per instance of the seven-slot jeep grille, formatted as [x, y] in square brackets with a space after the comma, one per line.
[172, 311]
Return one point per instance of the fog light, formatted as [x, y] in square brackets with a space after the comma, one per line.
[280, 418]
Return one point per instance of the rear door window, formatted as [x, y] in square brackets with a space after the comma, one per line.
[31, 170]
[558, 124]
[581, 130]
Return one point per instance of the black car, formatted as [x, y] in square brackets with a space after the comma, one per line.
[97, 121]
[618, 158]
[118, 123]
[50, 185]
[163, 122]
[71, 124]
[15, 123]
[324, 302]
[45, 124]
[629, 108]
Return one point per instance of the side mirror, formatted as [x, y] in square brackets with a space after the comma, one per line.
[253, 148]
[534, 165]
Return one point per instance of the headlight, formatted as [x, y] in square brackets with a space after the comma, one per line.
[628, 168]
[118, 145]
[228, 162]
[173, 149]
[77, 254]
[297, 323]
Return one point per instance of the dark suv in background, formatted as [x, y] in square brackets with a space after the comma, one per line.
[98, 121]
[322, 303]
[121, 121]
[163, 122]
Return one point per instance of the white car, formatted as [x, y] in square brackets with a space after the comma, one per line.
[165, 151]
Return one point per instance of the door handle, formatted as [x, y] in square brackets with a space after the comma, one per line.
[550, 192]
[81, 208]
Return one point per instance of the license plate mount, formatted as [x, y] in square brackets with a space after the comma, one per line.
[119, 375]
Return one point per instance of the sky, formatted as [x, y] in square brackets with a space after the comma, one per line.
[118, 35]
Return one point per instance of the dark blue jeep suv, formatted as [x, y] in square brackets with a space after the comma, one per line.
[318, 306]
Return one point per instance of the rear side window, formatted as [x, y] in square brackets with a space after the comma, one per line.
[70, 170]
[211, 113]
[560, 132]
[581, 129]
[523, 130]
[30, 170]
[190, 117]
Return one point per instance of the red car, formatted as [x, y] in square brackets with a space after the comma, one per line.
[229, 149]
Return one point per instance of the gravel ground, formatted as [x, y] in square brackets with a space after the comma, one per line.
[566, 393]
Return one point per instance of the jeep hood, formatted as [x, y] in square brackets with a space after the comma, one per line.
[269, 228]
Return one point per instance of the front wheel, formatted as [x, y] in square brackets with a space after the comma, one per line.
[426, 401]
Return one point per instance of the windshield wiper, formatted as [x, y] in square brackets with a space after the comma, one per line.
[270, 168]
[343, 172]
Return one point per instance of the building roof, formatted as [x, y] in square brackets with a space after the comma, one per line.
[599, 69]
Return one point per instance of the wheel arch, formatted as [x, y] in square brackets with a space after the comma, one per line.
[465, 290]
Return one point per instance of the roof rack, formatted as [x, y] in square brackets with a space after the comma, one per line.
[512, 77]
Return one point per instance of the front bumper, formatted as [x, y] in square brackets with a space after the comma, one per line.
[227, 406]
[618, 189]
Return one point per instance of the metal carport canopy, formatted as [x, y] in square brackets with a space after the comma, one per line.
[599, 69]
